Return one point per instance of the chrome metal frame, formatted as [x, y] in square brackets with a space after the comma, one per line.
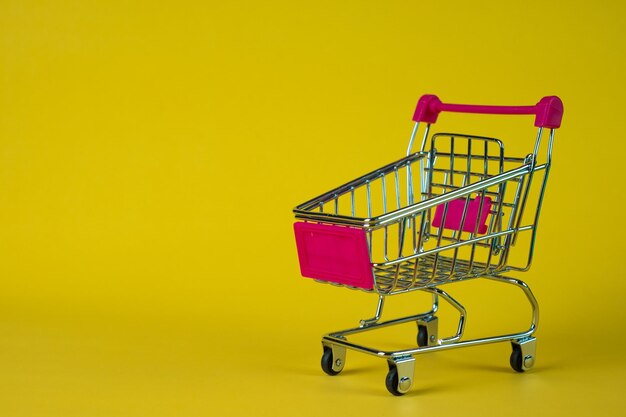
[394, 204]
[401, 358]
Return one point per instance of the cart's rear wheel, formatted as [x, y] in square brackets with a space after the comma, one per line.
[427, 331]
[517, 359]
[422, 336]
[328, 361]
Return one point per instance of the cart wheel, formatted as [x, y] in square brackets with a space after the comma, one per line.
[391, 382]
[328, 361]
[422, 336]
[517, 360]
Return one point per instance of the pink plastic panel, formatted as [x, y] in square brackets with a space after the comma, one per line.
[334, 253]
[454, 215]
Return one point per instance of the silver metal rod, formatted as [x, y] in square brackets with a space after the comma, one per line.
[377, 315]
[337, 338]
[352, 202]
[462, 313]
[395, 173]
[415, 127]
[425, 349]
[379, 221]
[380, 325]
[540, 202]
[423, 146]
[369, 199]
[384, 186]
[452, 246]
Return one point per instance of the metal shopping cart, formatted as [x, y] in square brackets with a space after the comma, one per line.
[460, 209]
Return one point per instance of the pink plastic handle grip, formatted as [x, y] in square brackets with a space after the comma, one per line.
[548, 112]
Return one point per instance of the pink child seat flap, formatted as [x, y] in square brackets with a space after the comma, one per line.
[454, 215]
[334, 253]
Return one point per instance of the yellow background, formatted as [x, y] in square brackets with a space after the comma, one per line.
[150, 156]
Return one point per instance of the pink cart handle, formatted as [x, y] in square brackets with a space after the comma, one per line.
[548, 112]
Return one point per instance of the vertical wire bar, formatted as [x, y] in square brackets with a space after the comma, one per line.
[409, 189]
[502, 196]
[486, 161]
[550, 146]
[445, 182]
[458, 237]
[425, 137]
[427, 187]
[415, 127]
[336, 204]
[409, 184]
[395, 172]
[419, 247]
[384, 196]
[448, 173]
[401, 230]
[423, 179]
[414, 225]
[516, 199]
[440, 232]
[480, 208]
[386, 242]
[352, 199]
[452, 160]
[540, 201]
[369, 215]
[428, 181]
[398, 205]
[384, 186]
[369, 199]
[476, 226]
[501, 159]
[526, 192]
[321, 206]
[465, 208]
[515, 212]
[451, 172]
[497, 218]
[467, 178]
[538, 142]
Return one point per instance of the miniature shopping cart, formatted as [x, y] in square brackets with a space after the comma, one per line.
[457, 209]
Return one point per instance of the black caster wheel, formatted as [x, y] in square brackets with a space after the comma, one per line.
[328, 361]
[422, 336]
[391, 382]
[517, 360]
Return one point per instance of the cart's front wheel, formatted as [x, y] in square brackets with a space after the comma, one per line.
[391, 382]
[330, 365]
